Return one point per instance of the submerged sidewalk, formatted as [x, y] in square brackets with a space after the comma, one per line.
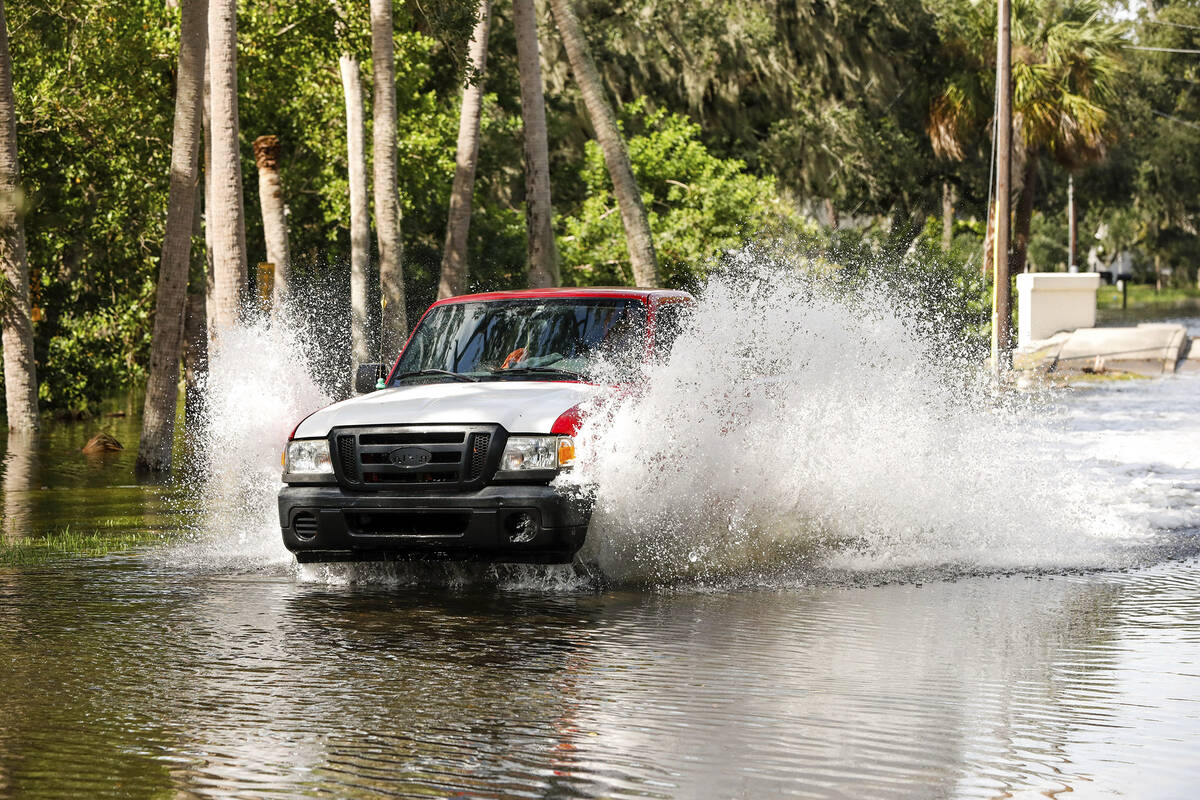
[1148, 349]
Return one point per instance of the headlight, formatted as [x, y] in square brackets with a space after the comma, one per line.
[536, 453]
[308, 457]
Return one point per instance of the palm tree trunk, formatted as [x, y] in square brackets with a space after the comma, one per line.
[20, 370]
[455, 268]
[360, 220]
[393, 326]
[539, 216]
[1024, 215]
[210, 305]
[616, 157]
[162, 386]
[949, 197]
[195, 355]
[274, 213]
[227, 216]
[195, 320]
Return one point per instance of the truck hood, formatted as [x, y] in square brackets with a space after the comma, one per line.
[519, 406]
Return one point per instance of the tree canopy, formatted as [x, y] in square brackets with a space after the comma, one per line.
[834, 123]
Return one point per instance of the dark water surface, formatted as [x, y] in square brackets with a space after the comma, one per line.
[158, 672]
[125, 677]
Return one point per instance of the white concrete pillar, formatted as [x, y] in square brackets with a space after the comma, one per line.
[1049, 302]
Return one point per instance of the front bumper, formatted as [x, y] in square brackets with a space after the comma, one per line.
[507, 523]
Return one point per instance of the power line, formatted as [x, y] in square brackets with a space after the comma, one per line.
[1161, 49]
[1173, 24]
[1175, 119]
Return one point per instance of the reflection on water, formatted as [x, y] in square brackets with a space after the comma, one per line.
[19, 463]
[50, 485]
[138, 679]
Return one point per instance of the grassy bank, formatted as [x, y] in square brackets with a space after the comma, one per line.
[68, 542]
[1143, 296]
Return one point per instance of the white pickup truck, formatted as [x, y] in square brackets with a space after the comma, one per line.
[453, 454]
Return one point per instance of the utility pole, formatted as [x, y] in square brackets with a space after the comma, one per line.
[1001, 283]
[1071, 265]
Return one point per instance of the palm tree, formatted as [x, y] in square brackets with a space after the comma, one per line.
[20, 371]
[1066, 67]
[226, 216]
[962, 112]
[162, 385]
[274, 213]
[393, 327]
[210, 304]
[608, 135]
[360, 222]
[543, 255]
[458, 223]
[360, 212]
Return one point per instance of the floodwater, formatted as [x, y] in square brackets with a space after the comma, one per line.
[189, 669]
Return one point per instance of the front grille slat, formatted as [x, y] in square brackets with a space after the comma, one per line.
[479, 451]
[438, 437]
[454, 455]
[348, 458]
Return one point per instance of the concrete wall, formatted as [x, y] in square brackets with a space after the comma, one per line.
[1049, 302]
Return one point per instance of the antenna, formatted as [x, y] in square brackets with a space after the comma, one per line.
[379, 382]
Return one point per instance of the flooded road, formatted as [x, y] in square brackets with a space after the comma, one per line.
[200, 667]
[126, 677]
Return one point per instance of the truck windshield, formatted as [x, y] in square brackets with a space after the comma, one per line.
[532, 339]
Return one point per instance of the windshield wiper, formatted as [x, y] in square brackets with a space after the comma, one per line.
[456, 375]
[565, 373]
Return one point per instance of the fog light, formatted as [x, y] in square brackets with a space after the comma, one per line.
[521, 528]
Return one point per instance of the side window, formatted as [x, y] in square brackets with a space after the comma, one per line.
[669, 320]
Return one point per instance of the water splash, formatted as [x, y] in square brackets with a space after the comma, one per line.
[265, 374]
[795, 432]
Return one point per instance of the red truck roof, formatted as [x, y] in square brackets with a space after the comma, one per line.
[645, 295]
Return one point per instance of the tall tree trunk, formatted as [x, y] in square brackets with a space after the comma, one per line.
[195, 318]
[20, 371]
[831, 212]
[455, 268]
[1024, 216]
[616, 157]
[393, 326]
[162, 386]
[360, 213]
[989, 245]
[195, 355]
[539, 222]
[270, 197]
[949, 198]
[227, 215]
[210, 304]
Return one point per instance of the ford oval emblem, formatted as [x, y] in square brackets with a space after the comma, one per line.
[409, 457]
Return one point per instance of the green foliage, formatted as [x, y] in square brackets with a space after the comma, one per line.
[94, 107]
[943, 290]
[700, 206]
[745, 120]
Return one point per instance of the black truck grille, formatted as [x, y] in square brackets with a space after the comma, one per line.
[434, 457]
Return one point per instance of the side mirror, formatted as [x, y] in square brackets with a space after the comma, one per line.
[367, 376]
